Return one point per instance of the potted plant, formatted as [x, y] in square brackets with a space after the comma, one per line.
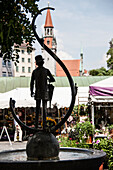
[105, 145]
[85, 130]
[110, 127]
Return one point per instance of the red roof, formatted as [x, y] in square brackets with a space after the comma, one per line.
[48, 22]
[72, 65]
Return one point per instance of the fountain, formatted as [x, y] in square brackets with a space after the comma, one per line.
[69, 158]
[42, 150]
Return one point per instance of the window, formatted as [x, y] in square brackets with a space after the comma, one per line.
[29, 69]
[3, 74]
[48, 42]
[22, 51]
[48, 31]
[29, 52]
[23, 59]
[51, 31]
[29, 60]
[3, 63]
[23, 69]
[17, 69]
[9, 74]
[53, 43]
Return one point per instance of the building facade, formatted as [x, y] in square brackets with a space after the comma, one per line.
[50, 42]
[26, 62]
[23, 68]
[6, 68]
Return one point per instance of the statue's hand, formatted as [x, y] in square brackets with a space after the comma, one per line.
[32, 94]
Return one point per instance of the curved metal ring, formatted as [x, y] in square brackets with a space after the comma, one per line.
[25, 127]
[73, 88]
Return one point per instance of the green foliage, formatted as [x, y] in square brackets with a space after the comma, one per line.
[76, 111]
[15, 26]
[107, 146]
[100, 144]
[110, 127]
[101, 72]
[98, 72]
[94, 72]
[84, 129]
[68, 142]
[109, 72]
[110, 59]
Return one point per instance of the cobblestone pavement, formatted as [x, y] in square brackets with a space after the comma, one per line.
[5, 145]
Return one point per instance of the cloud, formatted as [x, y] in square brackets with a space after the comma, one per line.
[59, 37]
[42, 28]
[61, 53]
[103, 61]
[64, 56]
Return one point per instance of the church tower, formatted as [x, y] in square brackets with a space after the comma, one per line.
[50, 42]
[81, 62]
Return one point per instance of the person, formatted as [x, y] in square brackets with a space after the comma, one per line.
[40, 77]
[18, 130]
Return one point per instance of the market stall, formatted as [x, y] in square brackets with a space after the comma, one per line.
[61, 96]
[101, 96]
[26, 104]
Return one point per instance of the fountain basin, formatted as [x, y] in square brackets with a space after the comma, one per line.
[69, 158]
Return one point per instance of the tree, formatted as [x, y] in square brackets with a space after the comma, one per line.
[93, 72]
[109, 72]
[15, 26]
[102, 71]
[98, 72]
[110, 53]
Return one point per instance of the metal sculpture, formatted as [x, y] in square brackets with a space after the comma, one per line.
[73, 87]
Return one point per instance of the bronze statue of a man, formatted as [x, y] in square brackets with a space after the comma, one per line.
[40, 77]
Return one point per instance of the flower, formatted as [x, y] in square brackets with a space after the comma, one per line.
[97, 141]
[70, 138]
[82, 121]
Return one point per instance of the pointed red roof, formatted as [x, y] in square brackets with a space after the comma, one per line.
[48, 22]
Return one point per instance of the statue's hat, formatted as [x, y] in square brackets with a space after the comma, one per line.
[39, 58]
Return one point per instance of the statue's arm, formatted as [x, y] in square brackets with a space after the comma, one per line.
[32, 84]
[51, 78]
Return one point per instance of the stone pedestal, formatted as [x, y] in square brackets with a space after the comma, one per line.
[42, 146]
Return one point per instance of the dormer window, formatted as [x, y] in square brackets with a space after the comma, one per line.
[48, 42]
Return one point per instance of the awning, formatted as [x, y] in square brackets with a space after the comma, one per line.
[61, 97]
[102, 91]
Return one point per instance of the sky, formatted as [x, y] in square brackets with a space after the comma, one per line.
[85, 25]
